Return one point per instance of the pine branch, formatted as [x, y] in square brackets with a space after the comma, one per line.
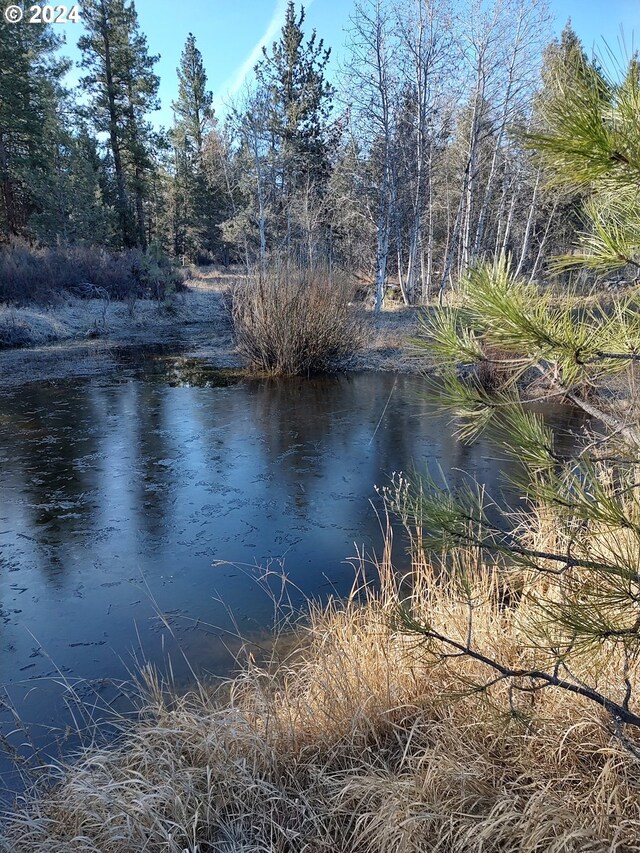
[619, 712]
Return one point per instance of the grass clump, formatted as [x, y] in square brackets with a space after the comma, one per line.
[365, 740]
[293, 323]
[13, 333]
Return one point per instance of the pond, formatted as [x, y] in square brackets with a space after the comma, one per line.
[160, 491]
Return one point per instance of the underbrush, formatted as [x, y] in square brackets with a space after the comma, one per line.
[295, 323]
[365, 740]
[29, 274]
[13, 333]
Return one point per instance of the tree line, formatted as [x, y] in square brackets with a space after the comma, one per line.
[406, 167]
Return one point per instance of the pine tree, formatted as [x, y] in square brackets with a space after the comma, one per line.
[30, 90]
[601, 162]
[69, 199]
[124, 89]
[561, 207]
[193, 110]
[292, 78]
[194, 198]
[293, 73]
[563, 59]
[565, 569]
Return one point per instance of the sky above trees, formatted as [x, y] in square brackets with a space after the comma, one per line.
[230, 35]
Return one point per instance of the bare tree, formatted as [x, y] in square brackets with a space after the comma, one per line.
[521, 42]
[372, 90]
[428, 68]
[500, 44]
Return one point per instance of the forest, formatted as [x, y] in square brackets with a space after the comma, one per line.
[405, 167]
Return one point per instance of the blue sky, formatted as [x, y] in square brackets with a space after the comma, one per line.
[229, 33]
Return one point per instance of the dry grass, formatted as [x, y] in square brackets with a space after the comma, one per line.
[215, 277]
[367, 742]
[38, 275]
[292, 323]
[13, 332]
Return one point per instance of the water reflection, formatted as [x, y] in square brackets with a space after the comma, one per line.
[118, 496]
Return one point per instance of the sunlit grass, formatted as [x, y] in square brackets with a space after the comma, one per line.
[365, 741]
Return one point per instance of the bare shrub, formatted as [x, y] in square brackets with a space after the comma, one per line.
[23, 275]
[495, 368]
[13, 333]
[29, 274]
[295, 323]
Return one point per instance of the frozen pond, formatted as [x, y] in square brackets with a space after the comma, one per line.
[162, 489]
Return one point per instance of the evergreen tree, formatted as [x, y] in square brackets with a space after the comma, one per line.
[69, 199]
[572, 556]
[293, 73]
[292, 77]
[560, 213]
[193, 110]
[30, 90]
[602, 163]
[563, 59]
[194, 199]
[124, 89]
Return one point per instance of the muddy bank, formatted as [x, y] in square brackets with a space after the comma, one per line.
[82, 337]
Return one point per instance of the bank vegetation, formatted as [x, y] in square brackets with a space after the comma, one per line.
[367, 738]
[290, 322]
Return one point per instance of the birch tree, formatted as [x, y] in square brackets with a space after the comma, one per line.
[373, 92]
[428, 68]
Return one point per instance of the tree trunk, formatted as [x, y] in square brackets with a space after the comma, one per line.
[527, 230]
[114, 142]
[260, 193]
[470, 173]
[542, 242]
[382, 255]
[506, 108]
[8, 196]
[512, 207]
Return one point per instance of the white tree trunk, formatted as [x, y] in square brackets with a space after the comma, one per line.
[527, 230]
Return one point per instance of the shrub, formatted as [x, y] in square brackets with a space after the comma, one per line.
[296, 323]
[30, 274]
[23, 275]
[13, 333]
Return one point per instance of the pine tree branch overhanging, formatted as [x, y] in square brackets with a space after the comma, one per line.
[591, 596]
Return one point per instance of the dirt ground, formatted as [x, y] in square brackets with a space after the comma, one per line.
[81, 337]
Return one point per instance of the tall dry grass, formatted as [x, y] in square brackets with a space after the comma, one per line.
[366, 741]
[294, 323]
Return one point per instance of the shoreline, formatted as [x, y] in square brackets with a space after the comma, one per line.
[271, 752]
[82, 338]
